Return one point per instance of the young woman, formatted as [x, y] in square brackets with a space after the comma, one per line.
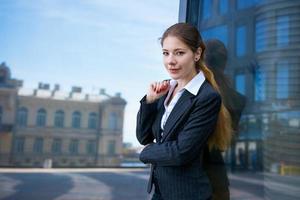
[178, 118]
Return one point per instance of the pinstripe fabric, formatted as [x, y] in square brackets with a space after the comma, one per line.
[177, 157]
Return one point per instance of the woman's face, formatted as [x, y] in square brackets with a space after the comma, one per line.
[179, 59]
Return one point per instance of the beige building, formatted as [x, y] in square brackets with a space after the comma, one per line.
[66, 129]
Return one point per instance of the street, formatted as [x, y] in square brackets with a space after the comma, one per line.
[101, 184]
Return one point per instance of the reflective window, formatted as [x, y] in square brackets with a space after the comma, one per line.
[56, 146]
[282, 80]
[73, 147]
[193, 11]
[260, 35]
[240, 83]
[223, 6]
[113, 121]
[41, 118]
[217, 32]
[59, 119]
[260, 85]
[206, 9]
[38, 145]
[76, 118]
[242, 4]
[92, 121]
[241, 41]
[22, 115]
[282, 28]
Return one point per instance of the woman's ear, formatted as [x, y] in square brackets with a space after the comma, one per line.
[198, 54]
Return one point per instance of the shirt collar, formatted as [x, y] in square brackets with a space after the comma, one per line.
[194, 85]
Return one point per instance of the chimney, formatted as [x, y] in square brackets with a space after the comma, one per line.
[118, 94]
[102, 91]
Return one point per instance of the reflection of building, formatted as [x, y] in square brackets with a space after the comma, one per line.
[72, 129]
[263, 41]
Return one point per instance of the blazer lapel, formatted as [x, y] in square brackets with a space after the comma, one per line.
[157, 122]
[182, 106]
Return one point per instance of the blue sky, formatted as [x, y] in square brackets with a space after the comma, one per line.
[89, 43]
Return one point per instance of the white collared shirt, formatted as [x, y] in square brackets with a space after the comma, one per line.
[193, 87]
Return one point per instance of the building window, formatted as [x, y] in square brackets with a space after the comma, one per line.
[59, 119]
[206, 9]
[92, 121]
[113, 121]
[217, 32]
[223, 6]
[260, 35]
[282, 82]
[282, 29]
[38, 145]
[111, 148]
[76, 118]
[19, 145]
[242, 4]
[73, 147]
[193, 12]
[240, 83]
[240, 42]
[91, 147]
[22, 116]
[41, 118]
[56, 146]
[260, 85]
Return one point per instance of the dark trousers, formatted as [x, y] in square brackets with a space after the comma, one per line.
[157, 194]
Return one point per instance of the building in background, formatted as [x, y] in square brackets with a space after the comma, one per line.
[51, 127]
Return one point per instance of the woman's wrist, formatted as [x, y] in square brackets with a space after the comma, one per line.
[150, 99]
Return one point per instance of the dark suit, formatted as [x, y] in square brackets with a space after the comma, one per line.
[177, 156]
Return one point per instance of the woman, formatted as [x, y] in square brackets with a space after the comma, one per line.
[182, 115]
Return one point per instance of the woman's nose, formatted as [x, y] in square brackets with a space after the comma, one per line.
[171, 60]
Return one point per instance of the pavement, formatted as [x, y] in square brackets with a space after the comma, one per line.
[125, 184]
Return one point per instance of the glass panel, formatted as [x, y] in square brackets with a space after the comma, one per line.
[282, 31]
[241, 41]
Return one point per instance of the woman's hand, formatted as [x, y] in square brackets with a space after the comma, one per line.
[157, 90]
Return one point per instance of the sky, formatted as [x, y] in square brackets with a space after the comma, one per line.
[92, 44]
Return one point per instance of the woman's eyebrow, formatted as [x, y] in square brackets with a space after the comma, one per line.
[178, 49]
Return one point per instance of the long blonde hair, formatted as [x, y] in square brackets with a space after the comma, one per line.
[188, 34]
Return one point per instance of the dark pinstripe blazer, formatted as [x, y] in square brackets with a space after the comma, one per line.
[177, 156]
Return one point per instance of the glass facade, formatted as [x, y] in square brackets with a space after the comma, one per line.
[219, 32]
[260, 85]
[261, 35]
[241, 38]
[282, 29]
[240, 83]
[223, 6]
[282, 80]
[261, 38]
[206, 9]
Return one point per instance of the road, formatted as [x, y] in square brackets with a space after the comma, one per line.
[101, 184]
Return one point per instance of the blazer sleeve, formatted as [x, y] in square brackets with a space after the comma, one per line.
[191, 139]
[145, 118]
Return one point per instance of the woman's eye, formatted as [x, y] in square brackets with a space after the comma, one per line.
[179, 53]
[165, 53]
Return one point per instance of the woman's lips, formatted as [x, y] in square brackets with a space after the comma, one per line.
[173, 70]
